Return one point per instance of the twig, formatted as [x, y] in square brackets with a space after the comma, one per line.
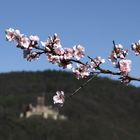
[84, 84]
[77, 61]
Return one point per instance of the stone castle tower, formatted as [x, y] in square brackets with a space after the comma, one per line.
[41, 110]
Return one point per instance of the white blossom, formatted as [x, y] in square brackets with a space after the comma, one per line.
[34, 40]
[68, 53]
[117, 53]
[24, 42]
[136, 47]
[59, 98]
[79, 51]
[81, 71]
[10, 34]
[125, 66]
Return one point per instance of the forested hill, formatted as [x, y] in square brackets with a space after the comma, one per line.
[103, 110]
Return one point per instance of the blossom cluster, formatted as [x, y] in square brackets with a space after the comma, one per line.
[22, 41]
[117, 53]
[56, 54]
[52, 47]
[96, 62]
[136, 47]
[118, 58]
[70, 58]
[84, 70]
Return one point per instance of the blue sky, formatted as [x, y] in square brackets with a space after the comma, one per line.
[91, 23]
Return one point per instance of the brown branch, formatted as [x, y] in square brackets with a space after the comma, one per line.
[99, 69]
[133, 78]
[114, 43]
[77, 61]
[104, 71]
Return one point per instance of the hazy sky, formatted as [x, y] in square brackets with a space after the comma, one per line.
[91, 23]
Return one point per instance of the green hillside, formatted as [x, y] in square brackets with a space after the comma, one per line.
[103, 110]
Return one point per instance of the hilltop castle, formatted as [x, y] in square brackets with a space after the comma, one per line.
[41, 110]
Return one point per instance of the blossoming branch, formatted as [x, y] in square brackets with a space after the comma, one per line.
[70, 58]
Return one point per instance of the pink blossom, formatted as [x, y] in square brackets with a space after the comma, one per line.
[59, 50]
[57, 45]
[24, 42]
[10, 34]
[59, 98]
[124, 66]
[79, 51]
[117, 53]
[18, 35]
[34, 40]
[96, 62]
[32, 56]
[53, 58]
[53, 43]
[69, 66]
[65, 63]
[81, 71]
[13, 35]
[113, 57]
[136, 47]
[55, 40]
[68, 53]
